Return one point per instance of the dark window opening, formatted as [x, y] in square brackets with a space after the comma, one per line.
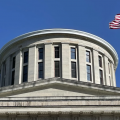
[73, 69]
[13, 77]
[109, 67]
[88, 72]
[101, 76]
[40, 70]
[100, 61]
[26, 57]
[13, 62]
[56, 52]
[57, 72]
[25, 73]
[73, 53]
[88, 56]
[40, 53]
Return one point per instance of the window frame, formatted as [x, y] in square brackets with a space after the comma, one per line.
[58, 51]
[100, 61]
[89, 73]
[13, 77]
[40, 54]
[25, 73]
[101, 76]
[24, 59]
[40, 70]
[73, 70]
[56, 68]
[73, 52]
[89, 56]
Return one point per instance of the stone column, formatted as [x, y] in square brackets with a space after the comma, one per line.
[82, 63]
[66, 61]
[113, 75]
[32, 64]
[106, 71]
[18, 67]
[49, 63]
[96, 67]
[8, 71]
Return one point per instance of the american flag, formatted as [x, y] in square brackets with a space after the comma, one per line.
[115, 24]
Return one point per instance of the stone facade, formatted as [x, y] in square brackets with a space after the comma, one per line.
[73, 93]
[65, 41]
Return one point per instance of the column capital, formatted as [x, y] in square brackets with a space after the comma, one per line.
[33, 45]
[65, 43]
[47, 43]
[81, 45]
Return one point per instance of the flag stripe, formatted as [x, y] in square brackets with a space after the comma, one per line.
[115, 24]
[117, 17]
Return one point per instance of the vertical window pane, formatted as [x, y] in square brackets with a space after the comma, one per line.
[40, 70]
[73, 53]
[26, 57]
[100, 61]
[88, 56]
[13, 62]
[25, 73]
[73, 69]
[40, 53]
[13, 77]
[88, 67]
[101, 76]
[56, 52]
[57, 72]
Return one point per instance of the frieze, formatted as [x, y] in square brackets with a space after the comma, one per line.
[60, 103]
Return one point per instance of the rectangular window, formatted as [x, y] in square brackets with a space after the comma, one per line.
[73, 53]
[56, 52]
[13, 77]
[88, 67]
[88, 56]
[26, 57]
[40, 53]
[57, 72]
[73, 69]
[101, 76]
[13, 63]
[100, 61]
[25, 73]
[40, 70]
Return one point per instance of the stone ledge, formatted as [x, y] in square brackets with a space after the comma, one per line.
[34, 85]
[59, 113]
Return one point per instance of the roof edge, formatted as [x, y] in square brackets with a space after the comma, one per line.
[65, 31]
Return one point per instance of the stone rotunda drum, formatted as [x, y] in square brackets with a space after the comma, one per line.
[58, 53]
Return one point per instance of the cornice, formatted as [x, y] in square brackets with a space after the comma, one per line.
[59, 113]
[92, 37]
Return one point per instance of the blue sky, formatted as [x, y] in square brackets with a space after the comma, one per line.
[21, 16]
